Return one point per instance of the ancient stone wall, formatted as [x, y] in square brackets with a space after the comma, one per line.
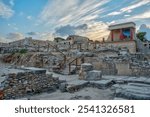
[139, 71]
[27, 83]
[31, 59]
[107, 68]
[123, 68]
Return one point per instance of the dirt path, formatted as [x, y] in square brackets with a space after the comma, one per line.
[83, 94]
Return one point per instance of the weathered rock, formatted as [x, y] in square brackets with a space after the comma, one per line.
[35, 70]
[80, 98]
[63, 87]
[76, 97]
[20, 84]
[102, 84]
[94, 75]
[138, 91]
[76, 85]
[86, 67]
[1, 94]
[82, 75]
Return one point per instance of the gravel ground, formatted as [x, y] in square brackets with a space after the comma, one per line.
[83, 94]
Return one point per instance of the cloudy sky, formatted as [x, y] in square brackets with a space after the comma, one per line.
[46, 19]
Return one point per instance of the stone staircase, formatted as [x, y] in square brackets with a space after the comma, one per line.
[69, 65]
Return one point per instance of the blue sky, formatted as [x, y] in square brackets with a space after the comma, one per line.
[46, 19]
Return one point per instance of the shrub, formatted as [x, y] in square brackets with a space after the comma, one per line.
[23, 51]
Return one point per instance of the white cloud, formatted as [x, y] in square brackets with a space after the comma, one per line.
[144, 15]
[63, 12]
[46, 36]
[41, 35]
[11, 2]
[129, 11]
[75, 12]
[127, 15]
[145, 28]
[29, 17]
[15, 36]
[95, 31]
[11, 37]
[134, 18]
[114, 13]
[2, 39]
[13, 26]
[112, 22]
[138, 4]
[5, 11]
[129, 8]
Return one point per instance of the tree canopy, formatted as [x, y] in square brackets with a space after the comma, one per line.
[141, 36]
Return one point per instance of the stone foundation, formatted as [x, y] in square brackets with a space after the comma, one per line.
[21, 84]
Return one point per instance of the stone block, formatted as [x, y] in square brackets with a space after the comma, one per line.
[35, 70]
[94, 75]
[63, 87]
[82, 75]
[86, 67]
[102, 84]
[76, 85]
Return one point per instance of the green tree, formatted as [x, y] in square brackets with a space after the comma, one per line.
[141, 36]
[23, 51]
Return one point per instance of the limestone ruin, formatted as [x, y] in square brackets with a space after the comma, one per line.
[76, 67]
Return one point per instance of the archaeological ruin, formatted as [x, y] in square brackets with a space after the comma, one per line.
[77, 68]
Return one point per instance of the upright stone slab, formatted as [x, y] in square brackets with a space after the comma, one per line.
[86, 67]
[94, 75]
[35, 70]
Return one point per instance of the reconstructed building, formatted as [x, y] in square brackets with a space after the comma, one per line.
[123, 36]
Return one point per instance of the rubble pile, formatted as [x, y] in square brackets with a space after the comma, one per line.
[32, 59]
[140, 69]
[130, 65]
[29, 82]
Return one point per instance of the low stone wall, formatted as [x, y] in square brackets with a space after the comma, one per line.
[123, 68]
[107, 68]
[139, 71]
[27, 83]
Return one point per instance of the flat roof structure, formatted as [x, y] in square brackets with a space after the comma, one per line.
[122, 25]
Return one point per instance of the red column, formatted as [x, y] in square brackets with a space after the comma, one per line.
[131, 34]
[121, 35]
[112, 36]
